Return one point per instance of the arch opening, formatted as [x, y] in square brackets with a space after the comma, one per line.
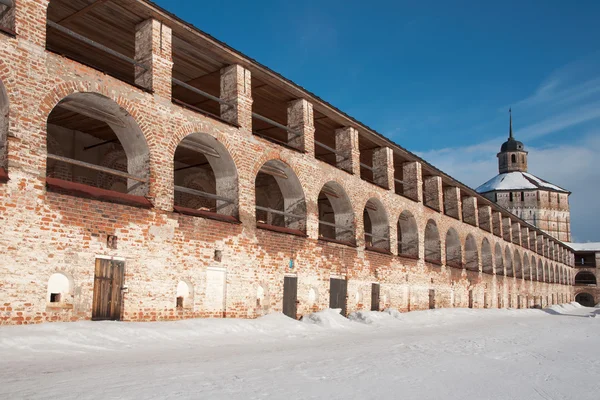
[471, 254]
[408, 235]
[433, 251]
[279, 197]
[499, 260]
[509, 263]
[7, 16]
[375, 221]
[185, 294]
[526, 268]
[585, 299]
[93, 141]
[336, 217]
[487, 259]
[59, 289]
[205, 177]
[585, 278]
[453, 249]
[518, 266]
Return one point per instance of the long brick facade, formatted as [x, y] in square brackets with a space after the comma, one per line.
[426, 239]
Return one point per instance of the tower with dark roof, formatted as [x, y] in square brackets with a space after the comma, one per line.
[533, 199]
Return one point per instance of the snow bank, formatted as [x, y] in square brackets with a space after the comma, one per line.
[565, 308]
[328, 318]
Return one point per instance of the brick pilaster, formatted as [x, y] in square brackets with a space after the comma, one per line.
[413, 180]
[470, 214]
[348, 153]
[485, 218]
[433, 196]
[452, 202]
[301, 121]
[383, 167]
[153, 49]
[236, 90]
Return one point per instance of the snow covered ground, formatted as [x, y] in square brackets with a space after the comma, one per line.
[439, 354]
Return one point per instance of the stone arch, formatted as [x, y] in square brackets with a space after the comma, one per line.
[517, 265]
[534, 269]
[82, 123]
[585, 278]
[508, 260]
[376, 226]
[4, 125]
[499, 259]
[336, 216]
[60, 289]
[546, 272]
[453, 249]
[471, 254]
[433, 250]
[184, 295]
[487, 258]
[279, 197]
[541, 271]
[205, 176]
[408, 235]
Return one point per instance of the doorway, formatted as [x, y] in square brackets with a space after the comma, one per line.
[290, 296]
[108, 284]
[338, 288]
[375, 297]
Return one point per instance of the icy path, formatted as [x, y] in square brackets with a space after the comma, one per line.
[441, 354]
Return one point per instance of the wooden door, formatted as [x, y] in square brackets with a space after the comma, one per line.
[290, 296]
[470, 299]
[338, 289]
[431, 299]
[108, 282]
[375, 297]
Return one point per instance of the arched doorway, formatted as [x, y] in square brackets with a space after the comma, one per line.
[432, 243]
[453, 249]
[336, 217]
[375, 222]
[408, 235]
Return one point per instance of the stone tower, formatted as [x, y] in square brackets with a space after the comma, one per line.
[533, 199]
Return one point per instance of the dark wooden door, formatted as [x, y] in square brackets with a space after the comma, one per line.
[108, 282]
[375, 297]
[338, 288]
[431, 299]
[290, 296]
[470, 299]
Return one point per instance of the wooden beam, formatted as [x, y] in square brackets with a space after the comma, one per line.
[95, 167]
[84, 10]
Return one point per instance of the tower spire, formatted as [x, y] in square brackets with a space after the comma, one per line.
[510, 133]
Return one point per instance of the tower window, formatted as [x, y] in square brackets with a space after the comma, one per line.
[510, 195]
[522, 196]
[513, 158]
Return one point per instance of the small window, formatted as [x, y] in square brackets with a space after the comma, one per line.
[513, 158]
[180, 302]
[510, 196]
[522, 196]
[54, 297]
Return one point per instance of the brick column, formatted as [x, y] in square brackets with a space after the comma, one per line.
[301, 120]
[433, 196]
[516, 233]
[348, 154]
[470, 214]
[413, 180]
[30, 21]
[452, 202]
[497, 223]
[236, 89]
[485, 218]
[153, 49]
[383, 167]
[539, 247]
[507, 229]
[525, 237]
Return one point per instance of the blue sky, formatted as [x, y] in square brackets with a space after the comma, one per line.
[438, 77]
